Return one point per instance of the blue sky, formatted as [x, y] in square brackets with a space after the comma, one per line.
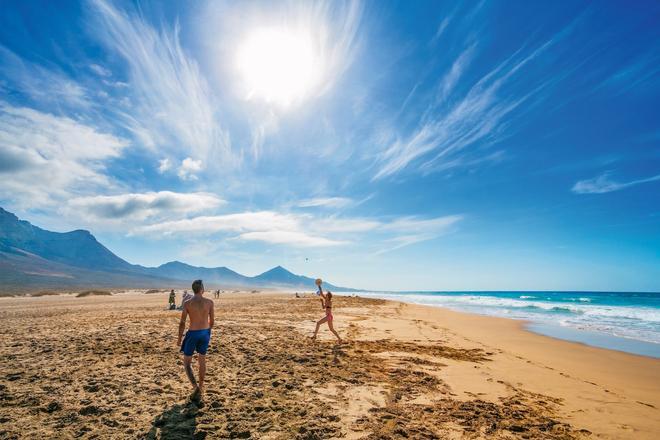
[382, 145]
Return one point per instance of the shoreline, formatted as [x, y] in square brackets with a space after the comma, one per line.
[543, 324]
[596, 374]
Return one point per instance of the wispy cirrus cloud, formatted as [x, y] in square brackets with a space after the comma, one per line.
[142, 206]
[447, 133]
[291, 238]
[40, 84]
[327, 202]
[604, 184]
[172, 106]
[47, 158]
[265, 226]
[305, 230]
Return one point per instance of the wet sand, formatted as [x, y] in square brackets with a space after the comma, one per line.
[108, 367]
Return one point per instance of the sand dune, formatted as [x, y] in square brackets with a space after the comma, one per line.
[108, 367]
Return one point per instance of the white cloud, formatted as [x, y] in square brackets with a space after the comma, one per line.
[141, 206]
[304, 230]
[172, 106]
[47, 157]
[41, 84]
[442, 27]
[164, 165]
[188, 169]
[603, 184]
[343, 225]
[327, 202]
[100, 70]
[292, 238]
[449, 81]
[416, 225]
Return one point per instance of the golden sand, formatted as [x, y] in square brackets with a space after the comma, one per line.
[109, 367]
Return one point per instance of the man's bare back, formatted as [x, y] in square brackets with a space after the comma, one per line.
[200, 310]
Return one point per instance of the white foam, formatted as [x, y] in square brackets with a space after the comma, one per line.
[639, 323]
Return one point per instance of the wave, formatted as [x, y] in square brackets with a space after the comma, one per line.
[648, 314]
[628, 321]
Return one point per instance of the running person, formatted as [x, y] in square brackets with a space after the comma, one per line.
[326, 303]
[198, 336]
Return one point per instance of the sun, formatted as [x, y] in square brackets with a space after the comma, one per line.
[278, 65]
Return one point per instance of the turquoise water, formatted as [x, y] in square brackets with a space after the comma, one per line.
[616, 320]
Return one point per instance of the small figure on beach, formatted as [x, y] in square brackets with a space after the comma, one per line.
[172, 300]
[326, 303]
[197, 337]
[185, 298]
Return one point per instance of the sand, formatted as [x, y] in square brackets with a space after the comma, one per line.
[108, 367]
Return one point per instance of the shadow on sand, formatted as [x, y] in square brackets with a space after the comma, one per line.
[177, 422]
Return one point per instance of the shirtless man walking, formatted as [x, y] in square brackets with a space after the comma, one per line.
[198, 336]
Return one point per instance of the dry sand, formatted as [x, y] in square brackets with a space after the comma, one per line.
[108, 367]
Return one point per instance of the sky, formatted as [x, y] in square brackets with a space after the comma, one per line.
[423, 145]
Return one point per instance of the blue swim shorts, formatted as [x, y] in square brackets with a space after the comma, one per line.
[196, 340]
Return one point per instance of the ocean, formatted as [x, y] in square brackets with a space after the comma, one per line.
[622, 321]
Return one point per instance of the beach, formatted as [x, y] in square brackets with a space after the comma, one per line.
[109, 367]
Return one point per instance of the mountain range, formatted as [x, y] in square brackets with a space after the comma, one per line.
[33, 258]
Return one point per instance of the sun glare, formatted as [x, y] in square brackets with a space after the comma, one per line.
[278, 65]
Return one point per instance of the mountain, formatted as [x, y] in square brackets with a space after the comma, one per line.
[182, 271]
[31, 258]
[76, 248]
[279, 276]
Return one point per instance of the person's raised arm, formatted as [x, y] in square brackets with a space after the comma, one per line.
[182, 324]
[321, 296]
[211, 315]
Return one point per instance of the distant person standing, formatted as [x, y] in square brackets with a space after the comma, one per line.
[197, 337]
[172, 300]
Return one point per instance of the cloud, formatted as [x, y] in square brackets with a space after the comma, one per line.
[603, 184]
[442, 27]
[164, 165]
[445, 134]
[239, 222]
[451, 78]
[100, 70]
[292, 238]
[42, 85]
[326, 202]
[141, 206]
[414, 224]
[265, 226]
[47, 157]
[412, 230]
[188, 168]
[344, 225]
[305, 230]
[171, 104]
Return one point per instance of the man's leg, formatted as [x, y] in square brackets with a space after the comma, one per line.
[187, 365]
[202, 370]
